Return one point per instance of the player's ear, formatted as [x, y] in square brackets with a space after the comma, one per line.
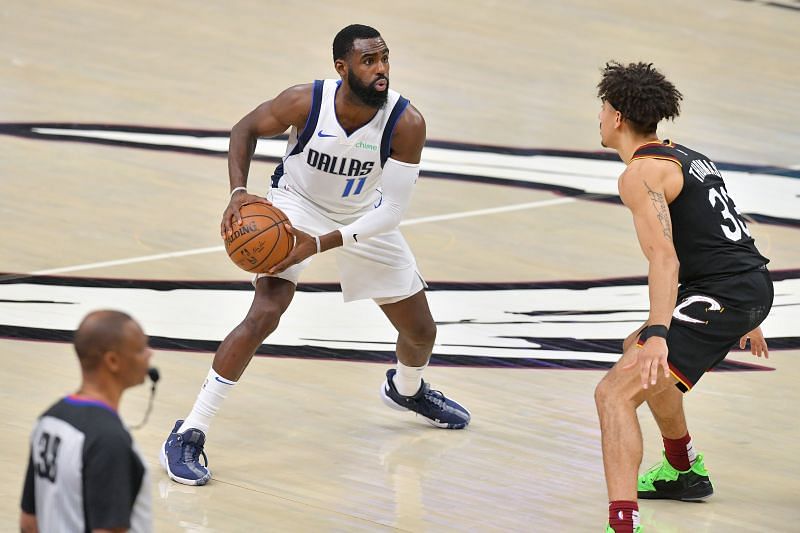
[341, 68]
[617, 119]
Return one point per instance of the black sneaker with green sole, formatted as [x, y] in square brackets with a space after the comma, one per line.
[663, 482]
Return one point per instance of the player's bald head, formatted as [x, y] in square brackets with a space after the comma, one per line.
[98, 333]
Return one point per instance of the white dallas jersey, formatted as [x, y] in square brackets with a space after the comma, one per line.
[338, 172]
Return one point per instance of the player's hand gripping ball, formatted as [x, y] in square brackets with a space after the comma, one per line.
[261, 241]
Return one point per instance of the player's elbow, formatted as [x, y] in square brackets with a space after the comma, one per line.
[241, 128]
[388, 216]
[243, 135]
[665, 260]
[395, 214]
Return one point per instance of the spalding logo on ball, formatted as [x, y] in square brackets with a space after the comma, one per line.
[262, 241]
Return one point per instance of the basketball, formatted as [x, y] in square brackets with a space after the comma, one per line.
[261, 241]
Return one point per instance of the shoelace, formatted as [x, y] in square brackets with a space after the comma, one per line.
[653, 472]
[437, 398]
[190, 454]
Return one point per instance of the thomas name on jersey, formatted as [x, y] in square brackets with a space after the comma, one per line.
[342, 166]
[700, 168]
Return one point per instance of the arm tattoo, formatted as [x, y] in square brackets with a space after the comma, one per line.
[661, 210]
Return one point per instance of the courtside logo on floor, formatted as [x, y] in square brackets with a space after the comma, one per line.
[577, 324]
[765, 194]
[569, 324]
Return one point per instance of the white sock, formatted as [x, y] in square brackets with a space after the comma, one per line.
[408, 379]
[690, 451]
[209, 400]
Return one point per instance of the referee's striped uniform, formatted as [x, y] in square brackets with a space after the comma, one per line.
[84, 471]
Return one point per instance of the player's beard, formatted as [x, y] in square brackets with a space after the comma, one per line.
[367, 93]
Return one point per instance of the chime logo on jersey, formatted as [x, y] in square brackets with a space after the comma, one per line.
[342, 166]
[366, 146]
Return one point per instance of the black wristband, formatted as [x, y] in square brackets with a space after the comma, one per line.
[656, 331]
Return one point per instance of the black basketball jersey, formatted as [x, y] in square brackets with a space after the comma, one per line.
[84, 471]
[709, 234]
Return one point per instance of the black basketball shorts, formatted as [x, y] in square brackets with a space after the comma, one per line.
[710, 317]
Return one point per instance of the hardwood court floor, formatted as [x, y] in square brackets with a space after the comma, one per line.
[305, 444]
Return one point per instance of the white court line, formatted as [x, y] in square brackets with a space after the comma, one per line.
[409, 222]
[128, 261]
[488, 211]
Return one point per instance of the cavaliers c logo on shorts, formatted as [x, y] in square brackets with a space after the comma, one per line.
[712, 305]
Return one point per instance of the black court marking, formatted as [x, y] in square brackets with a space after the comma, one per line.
[780, 5]
[360, 356]
[26, 130]
[498, 327]
[169, 285]
[29, 130]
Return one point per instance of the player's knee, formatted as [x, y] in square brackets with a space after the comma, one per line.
[430, 332]
[604, 395]
[261, 324]
[614, 392]
[422, 334]
[600, 394]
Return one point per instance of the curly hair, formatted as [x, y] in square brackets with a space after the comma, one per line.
[640, 93]
[343, 42]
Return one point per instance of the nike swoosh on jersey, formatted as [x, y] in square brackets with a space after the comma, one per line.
[320, 133]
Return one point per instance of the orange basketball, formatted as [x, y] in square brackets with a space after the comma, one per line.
[261, 241]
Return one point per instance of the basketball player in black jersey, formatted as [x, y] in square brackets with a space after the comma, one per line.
[692, 234]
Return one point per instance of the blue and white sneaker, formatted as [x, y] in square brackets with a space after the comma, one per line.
[433, 405]
[180, 456]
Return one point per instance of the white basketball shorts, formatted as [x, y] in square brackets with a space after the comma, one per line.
[381, 268]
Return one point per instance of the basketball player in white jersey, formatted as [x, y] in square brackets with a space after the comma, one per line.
[345, 182]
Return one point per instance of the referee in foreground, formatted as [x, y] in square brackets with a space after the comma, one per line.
[84, 472]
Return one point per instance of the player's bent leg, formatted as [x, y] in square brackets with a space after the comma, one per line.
[272, 298]
[663, 480]
[617, 397]
[180, 454]
[667, 409]
[416, 336]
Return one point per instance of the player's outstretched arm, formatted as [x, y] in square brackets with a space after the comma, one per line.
[642, 189]
[273, 117]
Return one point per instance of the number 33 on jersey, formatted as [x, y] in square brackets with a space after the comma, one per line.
[709, 234]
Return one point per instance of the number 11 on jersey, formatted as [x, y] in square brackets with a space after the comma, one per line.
[349, 186]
